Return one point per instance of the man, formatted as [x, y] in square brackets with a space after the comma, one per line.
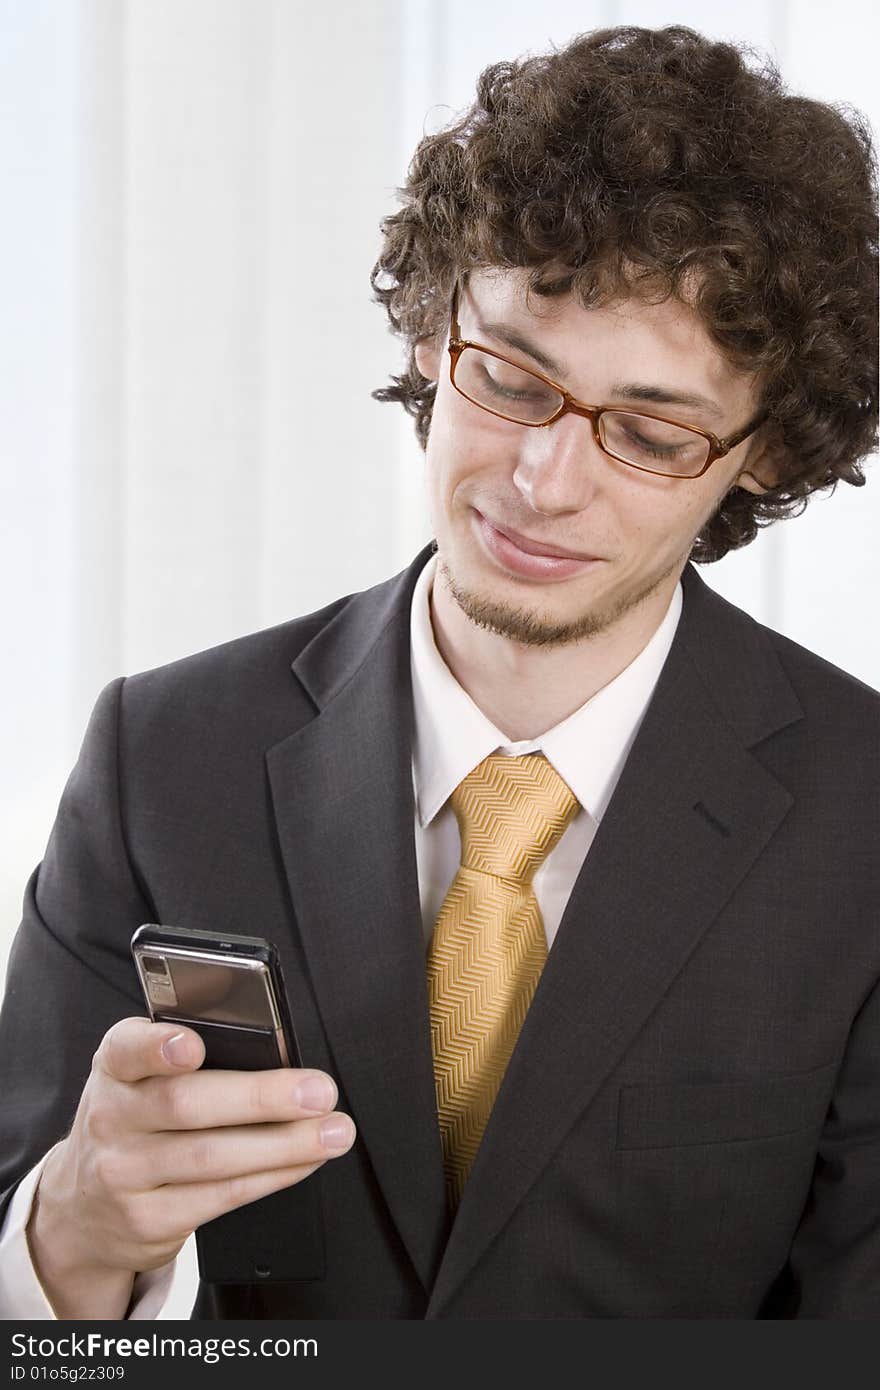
[572, 865]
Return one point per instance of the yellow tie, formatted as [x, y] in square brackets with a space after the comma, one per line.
[489, 945]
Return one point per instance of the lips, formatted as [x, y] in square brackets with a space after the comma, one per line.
[537, 547]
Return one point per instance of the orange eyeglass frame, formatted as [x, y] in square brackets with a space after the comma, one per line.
[571, 405]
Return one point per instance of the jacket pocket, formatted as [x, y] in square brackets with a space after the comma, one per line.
[721, 1112]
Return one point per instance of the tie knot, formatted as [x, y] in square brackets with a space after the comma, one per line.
[511, 812]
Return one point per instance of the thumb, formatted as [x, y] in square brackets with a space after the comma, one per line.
[135, 1048]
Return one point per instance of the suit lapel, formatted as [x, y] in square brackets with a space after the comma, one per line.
[690, 814]
[343, 800]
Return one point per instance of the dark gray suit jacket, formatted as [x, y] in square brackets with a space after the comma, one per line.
[690, 1124]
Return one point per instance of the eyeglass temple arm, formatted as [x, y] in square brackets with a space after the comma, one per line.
[455, 328]
[733, 439]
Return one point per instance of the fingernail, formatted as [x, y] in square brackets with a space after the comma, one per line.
[176, 1050]
[337, 1132]
[315, 1093]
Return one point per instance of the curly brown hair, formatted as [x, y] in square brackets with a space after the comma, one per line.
[657, 162]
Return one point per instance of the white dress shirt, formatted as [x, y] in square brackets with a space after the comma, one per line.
[588, 750]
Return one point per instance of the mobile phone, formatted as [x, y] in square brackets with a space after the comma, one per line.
[228, 988]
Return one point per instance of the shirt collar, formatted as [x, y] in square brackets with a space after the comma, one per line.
[588, 748]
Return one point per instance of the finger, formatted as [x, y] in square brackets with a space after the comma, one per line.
[198, 1203]
[135, 1048]
[214, 1099]
[215, 1155]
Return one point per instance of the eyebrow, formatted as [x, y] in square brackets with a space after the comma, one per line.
[627, 390]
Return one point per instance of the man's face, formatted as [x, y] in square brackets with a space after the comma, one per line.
[553, 485]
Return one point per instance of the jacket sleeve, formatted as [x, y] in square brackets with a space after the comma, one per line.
[834, 1263]
[70, 974]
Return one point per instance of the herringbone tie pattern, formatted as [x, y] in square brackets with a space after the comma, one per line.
[489, 945]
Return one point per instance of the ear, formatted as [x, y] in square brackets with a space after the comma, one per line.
[750, 483]
[763, 459]
[427, 355]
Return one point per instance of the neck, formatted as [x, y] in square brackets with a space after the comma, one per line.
[526, 690]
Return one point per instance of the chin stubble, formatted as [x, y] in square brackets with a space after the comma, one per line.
[534, 629]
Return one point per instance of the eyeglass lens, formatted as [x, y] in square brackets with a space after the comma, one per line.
[518, 395]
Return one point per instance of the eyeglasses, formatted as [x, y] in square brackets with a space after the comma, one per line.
[652, 443]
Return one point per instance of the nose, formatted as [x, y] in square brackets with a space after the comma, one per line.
[558, 465]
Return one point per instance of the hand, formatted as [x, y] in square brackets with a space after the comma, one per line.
[158, 1148]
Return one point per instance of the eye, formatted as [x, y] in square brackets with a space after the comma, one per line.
[639, 437]
[505, 389]
[652, 446]
[511, 383]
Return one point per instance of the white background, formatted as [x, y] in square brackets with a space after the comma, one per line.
[191, 195]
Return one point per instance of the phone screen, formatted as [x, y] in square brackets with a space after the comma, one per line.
[228, 990]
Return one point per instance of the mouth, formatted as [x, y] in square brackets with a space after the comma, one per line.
[524, 558]
[525, 543]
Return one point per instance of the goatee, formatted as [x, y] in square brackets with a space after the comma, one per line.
[534, 629]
